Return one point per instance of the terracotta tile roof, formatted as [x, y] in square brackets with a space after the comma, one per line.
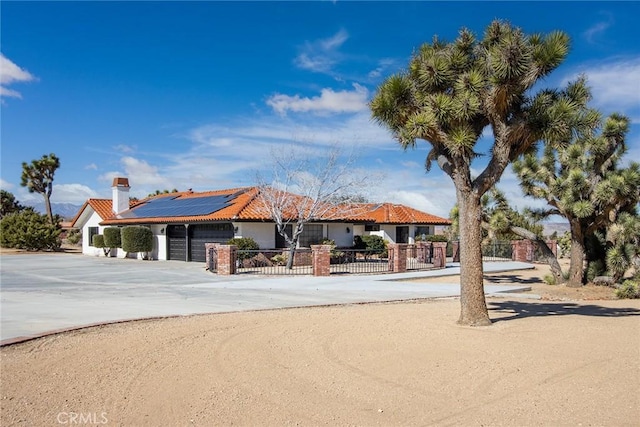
[246, 204]
[239, 198]
[389, 213]
[103, 207]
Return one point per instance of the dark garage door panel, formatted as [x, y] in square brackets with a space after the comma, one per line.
[177, 242]
[207, 233]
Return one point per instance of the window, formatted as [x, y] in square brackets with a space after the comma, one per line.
[422, 230]
[372, 227]
[92, 232]
[312, 234]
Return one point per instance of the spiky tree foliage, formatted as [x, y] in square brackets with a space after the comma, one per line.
[9, 204]
[38, 178]
[623, 245]
[584, 182]
[450, 93]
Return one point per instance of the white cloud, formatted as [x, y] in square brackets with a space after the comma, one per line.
[598, 28]
[72, 193]
[7, 186]
[328, 102]
[143, 177]
[321, 55]
[91, 166]
[124, 148]
[11, 73]
[615, 85]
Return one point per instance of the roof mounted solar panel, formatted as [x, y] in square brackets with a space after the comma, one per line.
[176, 206]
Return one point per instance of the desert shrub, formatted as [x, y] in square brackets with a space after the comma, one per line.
[137, 238]
[630, 289]
[244, 244]
[29, 230]
[112, 237]
[549, 279]
[74, 236]
[280, 259]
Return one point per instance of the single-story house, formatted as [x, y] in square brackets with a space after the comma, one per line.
[183, 222]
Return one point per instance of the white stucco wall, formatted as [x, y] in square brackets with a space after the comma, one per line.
[87, 248]
[159, 242]
[262, 232]
[338, 233]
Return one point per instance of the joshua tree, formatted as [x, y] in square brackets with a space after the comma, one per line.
[38, 178]
[452, 92]
[584, 182]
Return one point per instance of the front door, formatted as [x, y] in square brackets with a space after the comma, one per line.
[402, 234]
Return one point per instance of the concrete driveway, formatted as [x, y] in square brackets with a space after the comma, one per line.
[43, 293]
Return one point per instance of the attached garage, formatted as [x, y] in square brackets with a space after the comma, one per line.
[198, 235]
[207, 233]
[177, 238]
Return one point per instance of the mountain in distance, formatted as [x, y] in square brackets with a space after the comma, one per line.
[559, 227]
[65, 210]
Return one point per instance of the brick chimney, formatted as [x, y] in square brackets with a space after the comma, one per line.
[120, 199]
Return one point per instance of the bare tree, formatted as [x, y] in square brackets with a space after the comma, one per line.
[304, 187]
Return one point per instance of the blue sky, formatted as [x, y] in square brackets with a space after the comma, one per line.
[196, 95]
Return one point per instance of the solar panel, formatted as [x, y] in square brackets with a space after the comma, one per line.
[174, 206]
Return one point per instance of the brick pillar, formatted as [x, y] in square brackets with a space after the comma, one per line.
[456, 250]
[439, 254]
[522, 250]
[399, 257]
[321, 255]
[227, 259]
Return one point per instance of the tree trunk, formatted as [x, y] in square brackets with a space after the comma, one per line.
[549, 257]
[576, 268]
[292, 254]
[47, 205]
[473, 306]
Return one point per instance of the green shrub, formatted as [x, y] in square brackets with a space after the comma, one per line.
[549, 279]
[244, 244]
[98, 241]
[29, 230]
[74, 236]
[137, 238]
[630, 289]
[112, 237]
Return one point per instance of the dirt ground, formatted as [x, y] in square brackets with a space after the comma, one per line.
[558, 361]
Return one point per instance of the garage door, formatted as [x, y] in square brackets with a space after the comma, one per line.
[177, 235]
[207, 233]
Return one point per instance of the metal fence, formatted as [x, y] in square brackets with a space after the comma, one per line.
[497, 251]
[419, 257]
[358, 261]
[212, 260]
[273, 262]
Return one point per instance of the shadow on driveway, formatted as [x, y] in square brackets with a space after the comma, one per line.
[521, 310]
